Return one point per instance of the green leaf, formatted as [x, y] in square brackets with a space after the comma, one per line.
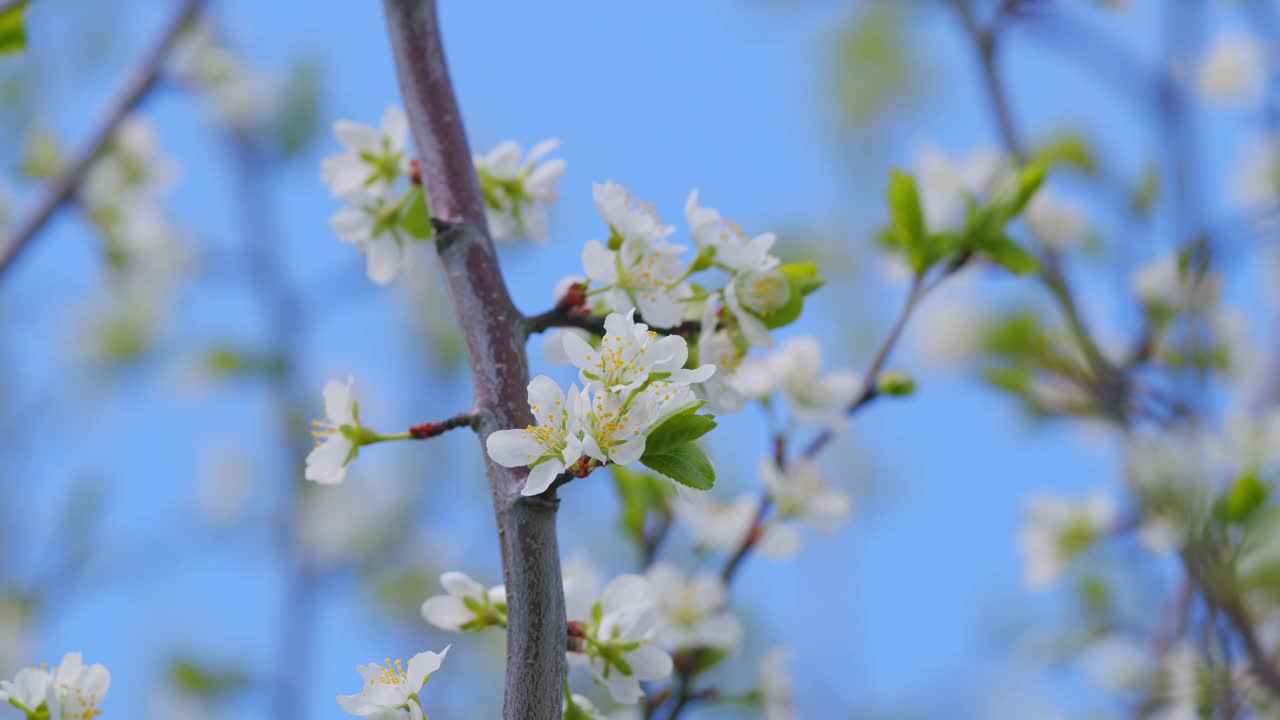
[908, 221]
[639, 493]
[686, 464]
[804, 279]
[13, 31]
[417, 219]
[1030, 178]
[1068, 149]
[204, 681]
[1010, 255]
[1245, 495]
[683, 427]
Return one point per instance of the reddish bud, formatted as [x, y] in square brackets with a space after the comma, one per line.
[574, 297]
[415, 172]
[576, 636]
[424, 431]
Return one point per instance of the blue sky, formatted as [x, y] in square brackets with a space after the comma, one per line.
[662, 97]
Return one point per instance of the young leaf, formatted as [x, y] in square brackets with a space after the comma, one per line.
[639, 493]
[683, 427]
[1010, 255]
[686, 464]
[417, 219]
[13, 31]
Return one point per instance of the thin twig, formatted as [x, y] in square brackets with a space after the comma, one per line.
[63, 185]
[425, 430]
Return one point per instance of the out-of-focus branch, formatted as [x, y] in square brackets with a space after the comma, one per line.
[494, 335]
[62, 186]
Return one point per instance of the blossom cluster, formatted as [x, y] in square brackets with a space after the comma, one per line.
[391, 689]
[70, 691]
[633, 384]
[385, 209]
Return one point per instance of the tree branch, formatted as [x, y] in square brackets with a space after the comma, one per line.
[432, 429]
[494, 334]
[62, 187]
[560, 316]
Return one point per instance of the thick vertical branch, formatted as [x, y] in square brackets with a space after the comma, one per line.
[494, 335]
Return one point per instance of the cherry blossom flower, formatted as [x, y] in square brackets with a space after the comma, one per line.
[77, 689]
[692, 609]
[372, 158]
[775, 685]
[619, 637]
[391, 690]
[631, 356]
[795, 370]
[28, 690]
[372, 223]
[733, 249]
[799, 493]
[335, 447]
[516, 193]
[1057, 529]
[1232, 69]
[637, 269]
[552, 444]
[716, 347]
[467, 606]
[724, 527]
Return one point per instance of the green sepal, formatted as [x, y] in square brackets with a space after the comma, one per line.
[416, 219]
[1239, 502]
[803, 279]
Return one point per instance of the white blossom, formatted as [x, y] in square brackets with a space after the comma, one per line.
[1117, 663]
[467, 605]
[1232, 69]
[775, 685]
[1186, 684]
[1174, 488]
[799, 493]
[716, 347]
[372, 158]
[1256, 177]
[516, 193]
[733, 249]
[1057, 529]
[335, 448]
[228, 83]
[725, 527]
[945, 182]
[638, 269]
[1057, 221]
[631, 356]
[620, 639]
[28, 690]
[692, 610]
[795, 370]
[551, 445]
[391, 690]
[77, 689]
[372, 223]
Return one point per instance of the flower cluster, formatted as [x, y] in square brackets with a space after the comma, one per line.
[516, 193]
[70, 691]
[632, 385]
[639, 267]
[230, 86]
[1058, 529]
[615, 633]
[384, 212]
[391, 690]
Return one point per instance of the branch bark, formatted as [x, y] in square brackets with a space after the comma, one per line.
[494, 334]
[63, 185]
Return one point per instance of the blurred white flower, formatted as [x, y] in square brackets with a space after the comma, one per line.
[945, 182]
[28, 690]
[372, 158]
[775, 685]
[725, 527]
[1057, 529]
[1174, 489]
[77, 689]
[1232, 69]
[467, 606]
[619, 645]
[692, 610]
[1117, 663]
[371, 222]
[799, 493]
[1186, 684]
[391, 691]
[1055, 220]
[1255, 181]
[516, 193]
[228, 83]
[796, 371]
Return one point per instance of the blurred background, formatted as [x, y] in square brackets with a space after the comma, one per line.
[158, 375]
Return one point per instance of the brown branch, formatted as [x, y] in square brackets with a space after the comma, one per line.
[560, 316]
[425, 430]
[62, 187]
[494, 335]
